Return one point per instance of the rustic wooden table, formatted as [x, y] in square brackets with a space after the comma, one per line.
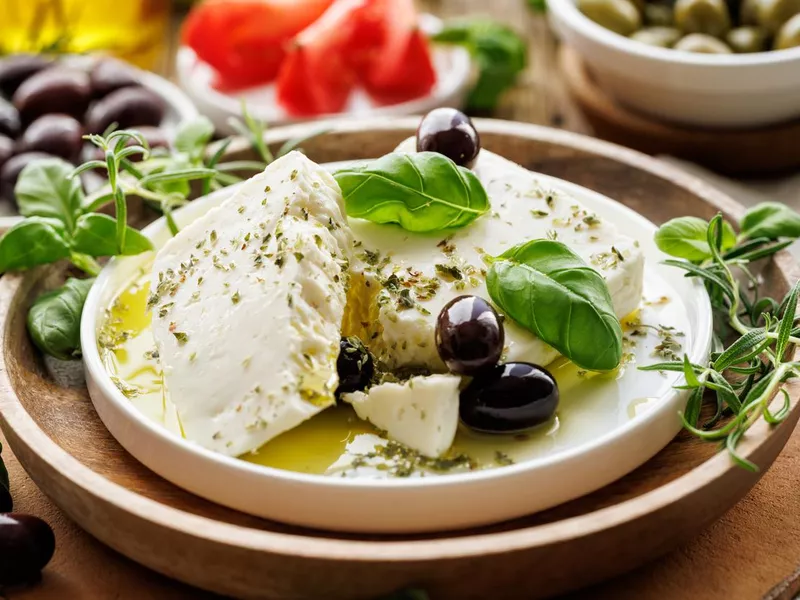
[753, 548]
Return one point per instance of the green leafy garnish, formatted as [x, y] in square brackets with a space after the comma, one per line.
[421, 192]
[54, 320]
[548, 289]
[752, 359]
[500, 54]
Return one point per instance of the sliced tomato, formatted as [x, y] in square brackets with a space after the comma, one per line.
[244, 40]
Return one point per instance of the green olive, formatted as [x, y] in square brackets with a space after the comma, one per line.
[658, 15]
[702, 43]
[620, 16]
[772, 14]
[789, 35]
[748, 12]
[747, 39]
[664, 37]
[703, 16]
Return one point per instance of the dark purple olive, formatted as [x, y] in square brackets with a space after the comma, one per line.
[509, 398]
[9, 119]
[450, 132]
[109, 75]
[128, 107]
[17, 68]
[26, 546]
[354, 365]
[54, 90]
[469, 335]
[59, 135]
[10, 171]
[6, 152]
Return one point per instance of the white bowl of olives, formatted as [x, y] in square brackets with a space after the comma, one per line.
[713, 63]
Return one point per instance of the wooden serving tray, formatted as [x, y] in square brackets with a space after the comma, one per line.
[58, 438]
[764, 151]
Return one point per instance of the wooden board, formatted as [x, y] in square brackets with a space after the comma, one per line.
[58, 438]
[773, 150]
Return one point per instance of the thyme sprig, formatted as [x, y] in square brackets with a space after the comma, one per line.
[754, 335]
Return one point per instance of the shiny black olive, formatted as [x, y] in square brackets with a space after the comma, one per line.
[469, 335]
[11, 170]
[54, 90]
[17, 68]
[509, 398]
[59, 135]
[109, 75]
[26, 546]
[450, 132]
[354, 365]
[128, 107]
[6, 152]
[9, 119]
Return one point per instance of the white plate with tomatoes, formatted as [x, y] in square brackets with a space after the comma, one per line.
[312, 59]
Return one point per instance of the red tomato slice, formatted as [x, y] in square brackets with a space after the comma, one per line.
[243, 40]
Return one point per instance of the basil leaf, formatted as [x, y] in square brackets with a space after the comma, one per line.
[54, 319]
[687, 237]
[421, 192]
[95, 235]
[501, 55]
[34, 241]
[46, 188]
[771, 220]
[548, 289]
[193, 136]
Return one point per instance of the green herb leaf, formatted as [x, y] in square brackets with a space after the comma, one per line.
[421, 192]
[686, 237]
[501, 55]
[545, 287]
[34, 241]
[787, 321]
[539, 6]
[95, 235]
[54, 319]
[771, 220]
[46, 188]
[688, 373]
[193, 136]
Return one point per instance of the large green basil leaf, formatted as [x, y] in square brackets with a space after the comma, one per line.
[95, 235]
[34, 241]
[771, 220]
[45, 188]
[54, 320]
[421, 192]
[548, 289]
[687, 237]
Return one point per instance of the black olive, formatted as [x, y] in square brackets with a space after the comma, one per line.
[17, 68]
[450, 132]
[509, 398]
[11, 170]
[59, 135]
[354, 365]
[26, 546]
[109, 75]
[128, 107]
[6, 152]
[469, 335]
[54, 90]
[9, 119]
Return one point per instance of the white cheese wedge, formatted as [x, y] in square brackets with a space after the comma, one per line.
[247, 308]
[421, 413]
[401, 280]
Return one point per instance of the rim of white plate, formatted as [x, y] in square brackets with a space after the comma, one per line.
[95, 368]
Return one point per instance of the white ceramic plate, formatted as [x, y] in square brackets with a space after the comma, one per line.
[178, 109]
[607, 432]
[453, 69]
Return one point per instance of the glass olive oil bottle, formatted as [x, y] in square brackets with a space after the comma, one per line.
[135, 30]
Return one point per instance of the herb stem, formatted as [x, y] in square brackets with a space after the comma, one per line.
[85, 263]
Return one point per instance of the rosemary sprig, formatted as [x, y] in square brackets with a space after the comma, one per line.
[754, 334]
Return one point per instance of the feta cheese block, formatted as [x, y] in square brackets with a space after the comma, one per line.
[421, 413]
[401, 280]
[247, 305]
